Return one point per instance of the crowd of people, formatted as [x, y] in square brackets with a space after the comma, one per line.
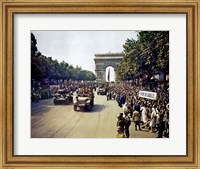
[146, 114]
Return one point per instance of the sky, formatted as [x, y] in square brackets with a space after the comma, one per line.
[79, 47]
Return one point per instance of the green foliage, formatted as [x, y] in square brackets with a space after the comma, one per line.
[46, 67]
[33, 45]
[149, 54]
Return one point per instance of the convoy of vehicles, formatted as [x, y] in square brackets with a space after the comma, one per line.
[84, 99]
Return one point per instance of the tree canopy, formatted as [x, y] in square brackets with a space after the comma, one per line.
[46, 67]
[147, 55]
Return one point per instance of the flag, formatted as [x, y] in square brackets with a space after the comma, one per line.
[109, 75]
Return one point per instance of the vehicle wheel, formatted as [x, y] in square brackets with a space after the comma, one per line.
[67, 101]
[55, 102]
[75, 108]
[92, 103]
[88, 107]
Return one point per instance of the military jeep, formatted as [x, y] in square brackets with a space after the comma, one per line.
[84, 101]
[101, 91]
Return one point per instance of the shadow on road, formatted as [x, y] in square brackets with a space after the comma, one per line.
[40, 111]
[97, 108]
[44, 106]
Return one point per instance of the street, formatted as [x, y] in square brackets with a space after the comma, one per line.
[61, 121]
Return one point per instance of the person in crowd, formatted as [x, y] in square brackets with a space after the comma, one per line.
[166, 123]
[121, 126]
[120, 101]
[153, 118]
[127, 125]
[160, 126]
[136, 118]
[144, 117]
[125, 108]
[131, 107]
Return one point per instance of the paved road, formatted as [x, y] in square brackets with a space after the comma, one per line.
[61, 121]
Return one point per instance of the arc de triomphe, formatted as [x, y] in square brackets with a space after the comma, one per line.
[102, 61]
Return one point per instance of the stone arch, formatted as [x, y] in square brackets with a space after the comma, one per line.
[109, 64]
[102, 61]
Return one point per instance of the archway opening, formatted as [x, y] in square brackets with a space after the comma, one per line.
[110, 74]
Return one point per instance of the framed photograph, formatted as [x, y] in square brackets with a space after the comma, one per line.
[99, 84]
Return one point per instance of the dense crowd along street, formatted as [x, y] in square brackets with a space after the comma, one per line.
[116, 110]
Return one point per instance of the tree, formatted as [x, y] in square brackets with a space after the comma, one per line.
[33, 45]
[46, 67]
[128, 69]
[147, 55]
[155, 52]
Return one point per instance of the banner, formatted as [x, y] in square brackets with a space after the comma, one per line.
[148, 95]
